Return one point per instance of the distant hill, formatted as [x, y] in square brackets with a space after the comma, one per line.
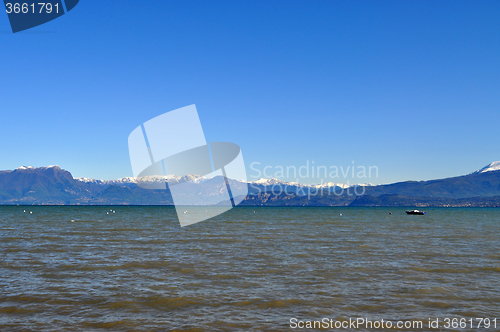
[42, 185]
[484, 184]
[53, 185]
[269, 199]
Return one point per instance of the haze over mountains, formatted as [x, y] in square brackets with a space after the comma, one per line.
[53, 185]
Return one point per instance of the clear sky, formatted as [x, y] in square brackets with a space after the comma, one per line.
[412, 87]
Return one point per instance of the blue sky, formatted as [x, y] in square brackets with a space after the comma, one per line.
[410, 87]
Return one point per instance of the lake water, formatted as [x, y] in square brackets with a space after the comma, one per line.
[250, 269]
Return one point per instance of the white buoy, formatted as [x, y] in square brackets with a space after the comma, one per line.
[24, 211]
[340, 214]
[107, 212]
[31, 212]
[113, 211]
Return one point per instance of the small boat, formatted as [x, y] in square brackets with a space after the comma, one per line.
[417, 212]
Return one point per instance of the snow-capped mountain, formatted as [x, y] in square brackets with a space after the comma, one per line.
[53, 185]
[26, 168]
[92, 181]
[494, 166]
[172, 179]
[131, 181]
[274, 181]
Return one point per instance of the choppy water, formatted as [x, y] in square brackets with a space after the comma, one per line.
[137, 270]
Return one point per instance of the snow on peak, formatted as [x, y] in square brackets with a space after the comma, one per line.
[274, 181]
[146, 179]
[90, 180]
[267, 181]
[494, 166]
[173, 179]
[24, 168]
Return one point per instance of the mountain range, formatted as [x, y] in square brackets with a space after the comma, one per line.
[52, 185]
